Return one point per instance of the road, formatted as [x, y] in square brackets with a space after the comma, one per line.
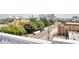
[45, 33]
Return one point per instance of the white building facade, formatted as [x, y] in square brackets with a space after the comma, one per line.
[73, 35]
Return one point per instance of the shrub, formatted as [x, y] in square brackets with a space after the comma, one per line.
[13, 30]
[20, 30]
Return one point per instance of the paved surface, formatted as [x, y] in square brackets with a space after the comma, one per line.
[14, 39]
[44, 34]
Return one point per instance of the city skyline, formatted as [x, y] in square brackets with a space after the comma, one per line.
[65, 15]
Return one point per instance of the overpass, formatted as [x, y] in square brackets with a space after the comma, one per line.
[14, 39]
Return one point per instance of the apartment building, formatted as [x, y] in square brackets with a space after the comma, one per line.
[65, 27]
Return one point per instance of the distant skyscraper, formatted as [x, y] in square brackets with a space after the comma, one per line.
[48, 16]
[42, 16]
[75, 18]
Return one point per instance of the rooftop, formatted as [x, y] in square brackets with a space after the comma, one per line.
[72, 23]
[64, 41]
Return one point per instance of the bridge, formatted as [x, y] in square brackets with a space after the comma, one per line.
[14, 39]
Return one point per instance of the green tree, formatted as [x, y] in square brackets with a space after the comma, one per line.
[32, 19]
[51, 21]
[45, 21]
[8, 20]
[30, 27]
[40, 25]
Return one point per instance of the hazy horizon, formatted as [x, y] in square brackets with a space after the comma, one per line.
[66, 15]
[36, 15]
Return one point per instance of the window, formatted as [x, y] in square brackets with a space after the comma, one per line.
[73, 30]
[63, 27]
[69, 28]
[74, 39]
[59, 26]
[63, 34]
[73, 27]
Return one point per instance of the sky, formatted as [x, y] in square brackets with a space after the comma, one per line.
[10, 15]
[35, 15]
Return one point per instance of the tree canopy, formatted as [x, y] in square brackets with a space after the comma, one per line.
[8, 20]
[13, 30]
[45, 21]
[30, 27]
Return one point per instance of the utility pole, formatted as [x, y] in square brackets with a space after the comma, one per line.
[48, 35]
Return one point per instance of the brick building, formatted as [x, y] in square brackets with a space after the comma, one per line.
[65, 27]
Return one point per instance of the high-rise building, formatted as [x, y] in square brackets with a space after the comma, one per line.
[48, 16]
[75, 18]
